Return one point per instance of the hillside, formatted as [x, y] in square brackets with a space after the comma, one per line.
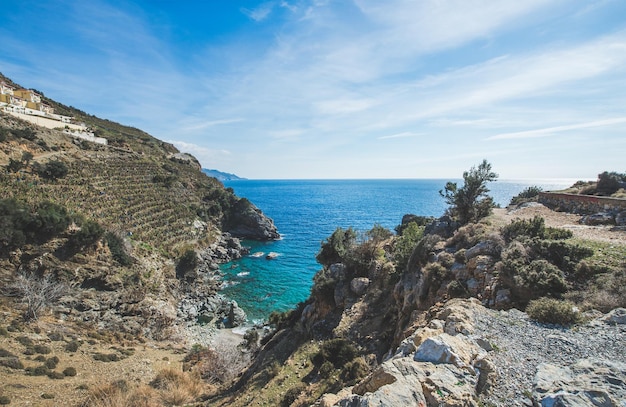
[130, 228]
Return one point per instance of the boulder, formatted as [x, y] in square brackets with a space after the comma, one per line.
[444, 348]
[359, 285]
[620, 219]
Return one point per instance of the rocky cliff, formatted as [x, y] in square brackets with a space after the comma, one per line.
[434, 316]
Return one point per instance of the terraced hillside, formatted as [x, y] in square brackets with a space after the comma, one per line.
[161, 200]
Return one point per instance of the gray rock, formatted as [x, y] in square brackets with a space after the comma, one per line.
[359, 285]
[485, 247]
[615, 317]
[588, 382]
[600, 218]
[620, 219]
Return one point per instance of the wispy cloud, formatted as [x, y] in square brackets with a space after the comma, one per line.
[401, 135]
[259, 13]
[211, 123]
[557, 129]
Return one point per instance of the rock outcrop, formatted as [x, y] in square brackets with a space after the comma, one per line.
[248, 222]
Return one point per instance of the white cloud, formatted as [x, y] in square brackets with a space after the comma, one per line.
[260, 13]
[211, 123]
[557, 129]
[401, 135]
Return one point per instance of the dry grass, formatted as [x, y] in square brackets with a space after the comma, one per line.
[171, 387]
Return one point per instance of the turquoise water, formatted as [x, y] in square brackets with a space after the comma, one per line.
[307, 211]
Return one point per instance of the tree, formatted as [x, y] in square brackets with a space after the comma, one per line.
[470, 202]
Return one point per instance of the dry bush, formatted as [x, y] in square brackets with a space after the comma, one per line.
[36, 292]
[221, 364]
[176, 387]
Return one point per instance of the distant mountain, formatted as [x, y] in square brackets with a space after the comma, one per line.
[222, 176]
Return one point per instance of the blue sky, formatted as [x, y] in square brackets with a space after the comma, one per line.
[345, 88]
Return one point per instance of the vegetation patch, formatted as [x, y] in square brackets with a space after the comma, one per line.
[553, 311]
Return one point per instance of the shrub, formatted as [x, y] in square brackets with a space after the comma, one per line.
[292, 395]
[72, 346]
[533, 228]
[118, 249]
[326, 369]
[527, 195]
[25, 340]
[456, 290]
[51, 363]
[53, 170]
[69, 371]
[541, 278]
[609, 182]
[187, 262]
[90, 232]
[3, 331]
[412, 233]
[12, 362]
[56, 375]
[553, 311]
[446, 259]
[354, 371]
[5, 400]
[336, 247]
[470, 203]
[43, 349]
[51, 219]
[38, 371]
[56, 336]
[47, 396]
[337, 351]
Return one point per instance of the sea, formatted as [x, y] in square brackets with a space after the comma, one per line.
[306, 212]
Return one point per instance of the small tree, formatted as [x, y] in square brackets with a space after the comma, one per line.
[470, 203]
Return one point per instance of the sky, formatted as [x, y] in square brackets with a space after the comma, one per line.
[323, 89]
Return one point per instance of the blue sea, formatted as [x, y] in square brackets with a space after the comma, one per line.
[308, 211]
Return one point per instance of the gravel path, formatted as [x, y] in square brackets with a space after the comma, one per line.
[521, 345]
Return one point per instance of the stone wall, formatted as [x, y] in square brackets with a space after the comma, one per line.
[581, 204]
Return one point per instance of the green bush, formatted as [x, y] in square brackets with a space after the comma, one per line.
[25, 340]
[56, 375]
[51, 363]
[609, 182]
[42, 349]
[53, 170]
[72, 346]
[3, 331]
[354, 371]
[533, 228]
[118, 251]
[336, 247]
[69, 371]
[326, 369]
[90, 232]
[412, 233]
[292, 395]
[553, 311]
[338, 351]
[5, 400]
[527, 195]
[37, 371]
[187, 262]
[541, 278]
